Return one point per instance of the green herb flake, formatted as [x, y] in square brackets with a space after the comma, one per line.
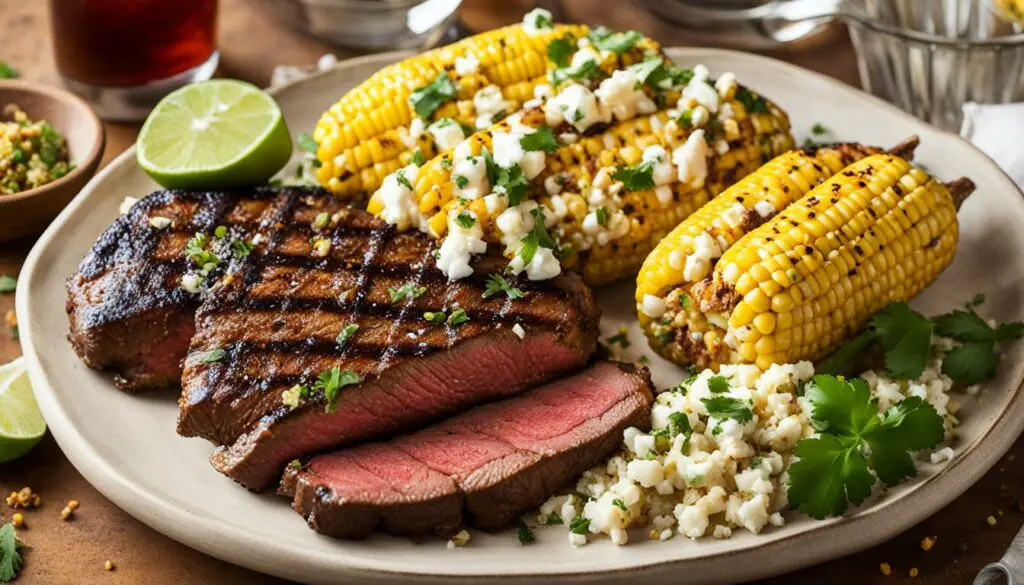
[560, 51]
[240, 248]
[753, 103]
[553, 519]
[306, 143]
[496, 284]
[601, 214]
[458, 317]
[833, 469]
[819, 129]
[331, 381]
[11, 548]
[346, 332]
[618, 503]
[579, 525]
[406, 291]
[636, 178]
[295, 464]
[212, 356]
[446, 163]
[718, 384]
[8, 284]
[526, 536]
[615, 42]
[723, 407]
[402, 180]
[417, 158]
[221, 231]
[541, 140]
[465, 219]
[435, 317]
[427, 99]
[7, 72]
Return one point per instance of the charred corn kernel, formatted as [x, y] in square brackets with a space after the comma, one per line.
[885, 569]
[366, 135]
[883, 258]
[109, 565]
[690, 252]
[73, 504]
[18, 519]
[65, 514]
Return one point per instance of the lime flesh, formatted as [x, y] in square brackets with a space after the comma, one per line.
[21, 423]
[218, 133]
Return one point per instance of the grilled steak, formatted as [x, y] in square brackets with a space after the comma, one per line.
[483, 467]
[128, 310]
[274, 325]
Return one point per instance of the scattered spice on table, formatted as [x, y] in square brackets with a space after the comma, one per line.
[109, 565]
[32, 152]
[24, 498]
[885, 569]
[913, 572]
[928, 542]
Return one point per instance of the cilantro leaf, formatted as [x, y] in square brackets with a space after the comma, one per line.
[619, 43]
[846, 357]
[971, 363]
[465, 219]
[585, 70]
[417, 158]
[407, 290]
[560, 51]
[306, 143]
[636, 178]
[827, 476]
[910, 425]
[7, 72]
[718, 384]
[402, 179]
[553, 519]
[579, 525]
[543, 139]
[8, 284]
[723, 407]
[839, 407]
[526, 536]
[427, 99]
[537, 238]
[1008, 331]
[679, 424]
[964, 326]
[496, 283]
[512, 181]
[435, 317]
[458, 317]
[331, 381]
[346, 332]
[752, 102]
[212, 356]
[240, 248]
[906, 337]
[10, 553]
[528, 248]
[649, 71]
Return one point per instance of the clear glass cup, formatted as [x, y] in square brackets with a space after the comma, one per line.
[122, 56]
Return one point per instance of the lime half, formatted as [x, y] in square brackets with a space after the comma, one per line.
[21, 423]
[218, 133]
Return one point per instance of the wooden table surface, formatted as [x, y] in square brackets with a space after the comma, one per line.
[73, 553]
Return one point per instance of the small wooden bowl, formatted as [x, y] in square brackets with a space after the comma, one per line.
[31, 211]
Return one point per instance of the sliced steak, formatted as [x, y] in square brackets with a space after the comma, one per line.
[482, 467]
[276, 320]
[128, 311]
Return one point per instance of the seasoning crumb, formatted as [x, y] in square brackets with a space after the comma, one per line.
[73, 504]
[66, 513]
[459, 540]
[928, 542]
[24, 498]
[885, 569]
[18, 520]
[109, 565]
[991, 520]
[913, 572]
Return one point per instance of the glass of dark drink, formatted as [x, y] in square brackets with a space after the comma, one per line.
[124, 55]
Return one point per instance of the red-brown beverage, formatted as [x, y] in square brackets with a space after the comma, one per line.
[118, 43]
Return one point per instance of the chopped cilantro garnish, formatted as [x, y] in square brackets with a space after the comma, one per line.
[10, 553]
[512, 181]
[537, 238]
[212, 356]
[427, 99]
[620, 339]
[240, 248]
[407, 290]
[346, 332]
[461, 181]
[465, 219]
[332, 381]
[417, 158]
[976, 360]
[585, 70]
[435, 317]
[618, 503]
[977, 301]
[718, 384]
[402, 180]
[650, 71]
[7, 72]
[526, 536]
[579, 525]
[195, 250]
[8, 284]
[542, 20]
[560, 51]
[818, 129]
[601, 214]
[458, 317]
[553, 519]
[753, 103]
[306, 143]
[723, 407]
[679, 424]
[616, 42]
[496, 283]
[543, 139]
[221, 231]
[636, 178]
[833, 469]
[446, 163]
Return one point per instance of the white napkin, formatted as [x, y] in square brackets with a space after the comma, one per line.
[997, 130]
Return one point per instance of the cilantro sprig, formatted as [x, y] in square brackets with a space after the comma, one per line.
[543, 139]
[616, 42]
[636, 178]
[331, 381]
[537, 238]
[835, 469]
[497, 284]
[10, 553]
[406, 291]
[427, 99]
[560, 51]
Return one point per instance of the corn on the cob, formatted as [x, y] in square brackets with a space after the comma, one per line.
[803, 282]
[689, 252]
[605, 225]
[374, 130]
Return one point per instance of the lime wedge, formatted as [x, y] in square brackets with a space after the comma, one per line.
[218, 133]
[21, 423]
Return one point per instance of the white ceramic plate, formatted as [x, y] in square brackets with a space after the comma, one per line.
[126, 445]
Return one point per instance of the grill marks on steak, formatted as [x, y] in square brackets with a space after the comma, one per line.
[277, 319]
[484, 466]
[128, 311]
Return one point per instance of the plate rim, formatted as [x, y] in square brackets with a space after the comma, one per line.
[202, 533]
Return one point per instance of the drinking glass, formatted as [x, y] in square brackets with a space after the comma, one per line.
[122, 56]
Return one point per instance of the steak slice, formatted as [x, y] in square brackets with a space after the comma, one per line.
[276, 320]
[483, 467]
[128, 311]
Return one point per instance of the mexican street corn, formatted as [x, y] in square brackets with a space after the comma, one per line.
[425, 105]
[589, 180]
[797, 286]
